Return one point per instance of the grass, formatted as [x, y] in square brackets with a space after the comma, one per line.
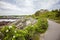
[57, 21]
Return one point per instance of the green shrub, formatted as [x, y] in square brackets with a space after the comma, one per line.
[12, 33]
[39, 27]
[42, 25]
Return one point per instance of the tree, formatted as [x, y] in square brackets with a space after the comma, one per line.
[37, 13]
[58, 14]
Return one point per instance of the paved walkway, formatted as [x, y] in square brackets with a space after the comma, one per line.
[53, 31]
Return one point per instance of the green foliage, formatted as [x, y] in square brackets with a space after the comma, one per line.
[42, 25]
[12, 33]
[37, 13]
[1, 16]
[54, 14]
[39, 27]
[29, 32]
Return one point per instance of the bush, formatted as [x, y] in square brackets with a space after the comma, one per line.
[12, 33]
[39, 27]
[42, 25]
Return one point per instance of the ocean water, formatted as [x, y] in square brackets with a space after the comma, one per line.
[10, 20]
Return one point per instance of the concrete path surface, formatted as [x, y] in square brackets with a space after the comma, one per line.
[53, 31]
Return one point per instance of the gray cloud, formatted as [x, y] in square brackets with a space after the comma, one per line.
[24, 7]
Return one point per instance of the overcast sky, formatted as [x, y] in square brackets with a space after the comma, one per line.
[26, 7]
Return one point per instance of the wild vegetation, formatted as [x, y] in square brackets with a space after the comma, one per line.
[30, 32]
[53, 14]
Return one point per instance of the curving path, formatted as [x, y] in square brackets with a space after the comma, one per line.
[53, 31]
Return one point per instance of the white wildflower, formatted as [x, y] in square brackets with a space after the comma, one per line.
[13, 36]
[7, 30]
[15, 31]
[32, 26]
[10, 27]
